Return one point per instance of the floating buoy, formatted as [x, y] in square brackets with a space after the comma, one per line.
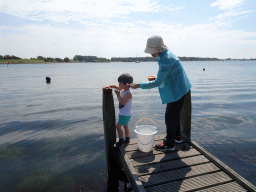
[48, 79]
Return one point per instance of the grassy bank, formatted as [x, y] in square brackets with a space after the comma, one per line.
[21, 61]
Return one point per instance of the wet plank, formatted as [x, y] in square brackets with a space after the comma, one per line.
[140, 157]
[199, 182]
[228, 187]
[168, 165]
[177, 174]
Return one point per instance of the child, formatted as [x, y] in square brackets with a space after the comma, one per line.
[125, 106]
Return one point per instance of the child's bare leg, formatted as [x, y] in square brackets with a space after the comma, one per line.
[119, 131]
[120, 134]
[126, 130]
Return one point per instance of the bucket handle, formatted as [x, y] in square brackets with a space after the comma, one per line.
[143, 119]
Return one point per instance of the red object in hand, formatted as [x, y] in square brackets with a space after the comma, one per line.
[151, 77]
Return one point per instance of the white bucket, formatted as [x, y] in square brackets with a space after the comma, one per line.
[145, 135]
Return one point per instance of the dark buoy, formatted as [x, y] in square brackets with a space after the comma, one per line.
[48, 79]
[203, 69]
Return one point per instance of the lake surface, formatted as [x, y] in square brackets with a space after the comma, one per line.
[51, 135]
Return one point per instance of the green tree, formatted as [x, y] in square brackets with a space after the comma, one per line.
[7, 57]
[41, 57]
[14, 57]
[49, 59]
[59, 59]
[66, 59]
[1, 57]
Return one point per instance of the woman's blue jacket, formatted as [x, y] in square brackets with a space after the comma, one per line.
[171, 80]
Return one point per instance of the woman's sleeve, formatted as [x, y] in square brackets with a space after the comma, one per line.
[165, 66]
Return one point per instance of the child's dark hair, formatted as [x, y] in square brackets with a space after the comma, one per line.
[125, 78]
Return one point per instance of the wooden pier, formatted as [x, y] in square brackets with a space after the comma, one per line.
[188, 168]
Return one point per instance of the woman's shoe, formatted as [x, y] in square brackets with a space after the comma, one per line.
[163, 147]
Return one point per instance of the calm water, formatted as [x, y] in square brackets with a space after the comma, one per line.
[51, 135]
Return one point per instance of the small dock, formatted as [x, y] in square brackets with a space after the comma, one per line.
[188, 168]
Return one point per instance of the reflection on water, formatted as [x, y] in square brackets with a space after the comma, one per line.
[230, 139]
[51, 135]
[50, 163]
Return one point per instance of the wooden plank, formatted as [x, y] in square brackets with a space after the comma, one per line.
[109, 120]
[134, 147]
[161, 157]
[228, 187]
[239, 179]
[174, 154]
[177, 174]
[185, 115]
[189, 167]
[130, 172]
[194, 183]
[168, 165]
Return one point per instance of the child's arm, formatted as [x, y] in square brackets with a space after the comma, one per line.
[123, 100]
[111, 87]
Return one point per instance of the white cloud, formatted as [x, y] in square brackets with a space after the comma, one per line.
[230, 14]
[227, 4]
[59, 10]
[127, 40]
[232, 10]
[103, 38]
[207, 40]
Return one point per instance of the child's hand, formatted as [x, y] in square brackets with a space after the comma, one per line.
[106, 87]
[110, 87]
[117, 91]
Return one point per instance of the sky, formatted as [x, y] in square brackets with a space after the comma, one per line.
[120, 28]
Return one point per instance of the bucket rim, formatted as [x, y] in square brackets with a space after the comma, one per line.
[145, 133]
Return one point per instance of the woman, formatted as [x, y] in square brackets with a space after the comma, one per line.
[173, 84]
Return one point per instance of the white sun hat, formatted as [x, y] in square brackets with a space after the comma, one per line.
[155, 44]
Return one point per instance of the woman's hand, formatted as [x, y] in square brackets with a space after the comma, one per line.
[135, 85]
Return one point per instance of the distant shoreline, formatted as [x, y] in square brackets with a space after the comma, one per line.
[119, 59]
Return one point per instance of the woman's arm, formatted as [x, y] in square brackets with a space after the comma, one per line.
[165, 66]
[135, 85]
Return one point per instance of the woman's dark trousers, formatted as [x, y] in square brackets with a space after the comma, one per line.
[172, 121]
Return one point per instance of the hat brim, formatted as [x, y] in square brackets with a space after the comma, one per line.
[153, 50]
[150, 50]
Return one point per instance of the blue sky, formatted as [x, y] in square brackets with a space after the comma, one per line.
[120, 28]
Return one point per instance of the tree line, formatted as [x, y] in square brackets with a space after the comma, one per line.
[76, 58]
[133, 59]
[8, 57]
[81, 58]
[145, 59]
[46, 59]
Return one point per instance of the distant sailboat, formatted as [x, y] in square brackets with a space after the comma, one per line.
[137, 60]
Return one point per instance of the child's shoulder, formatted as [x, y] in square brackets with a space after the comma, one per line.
[128, 93]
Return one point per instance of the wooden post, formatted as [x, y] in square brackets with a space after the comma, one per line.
[185, 116]
[109, 121]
